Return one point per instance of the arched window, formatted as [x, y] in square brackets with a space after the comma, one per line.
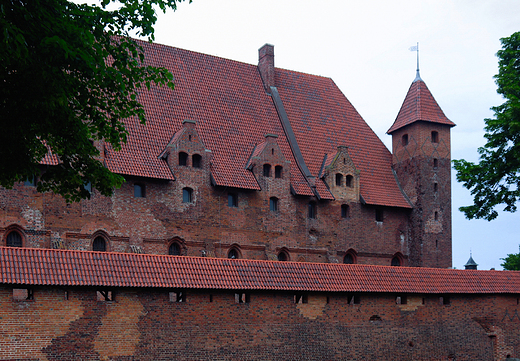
[283, 256]
[404, 140]
[312, 210]
[348, 259]
[183, 158]
[267, 170]
[187, 195]
[13, 239]
[233, 254]
[196, 161]
[345, 211]
[99, 244]
[174, 249]
[396, 261]
[273, 204]
[278, 171]
[349, 181]
[435, 137]
[339, 179]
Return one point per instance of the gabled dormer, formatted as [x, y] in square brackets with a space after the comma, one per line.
[186, 150]
[268, 163]
[341, 175]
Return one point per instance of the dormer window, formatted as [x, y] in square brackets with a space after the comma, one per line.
[267, 170]
[196, 161]
[278, 171]
[339, 179]
[435, 137]
[183, 159]
[349, 181]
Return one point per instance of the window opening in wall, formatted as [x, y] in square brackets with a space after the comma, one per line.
[436, 216]
[187, 195]
[99, 244]
[232, 199]
[233, 254]
[23, 294]
[278, 171]
[66, 295]
[189, 137]
[139, 190]
[312, 210]
[300, 298]
[375, 318]
[404, 140]
[339, 179]
[353, 299]
[273, 204]
[174, 249]
[272, 151]
[210, 298]
[445, 300]
[401, 300]
[196, 161]
[103, 295]
[396, 261]
[345, 211]
[13, 239]
[379, 215]
[183, 158]
[177, 296]
[349, 181]
[30, 182]
[348, 259]
[267, 170]
[435, 162]
[282, 256]
[437, 243]
[242, 297]
[344, 161]
[435, 187]
[435, 137]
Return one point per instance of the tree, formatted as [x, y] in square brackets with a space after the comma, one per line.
[70, 75]
[511, 262]
[495, 179]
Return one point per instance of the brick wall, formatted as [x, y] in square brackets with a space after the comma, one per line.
[71, 324]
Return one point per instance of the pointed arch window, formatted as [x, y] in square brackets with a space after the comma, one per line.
[233, 254]
[14, 239]
[283, 256]
[174, 249]
[99, 244]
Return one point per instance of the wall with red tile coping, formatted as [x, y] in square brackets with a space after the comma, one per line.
[70, 324]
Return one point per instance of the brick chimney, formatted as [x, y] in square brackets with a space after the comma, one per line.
[266, 65]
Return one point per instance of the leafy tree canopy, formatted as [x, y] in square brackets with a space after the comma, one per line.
[70, 75]
[495, 179]
[511, 262]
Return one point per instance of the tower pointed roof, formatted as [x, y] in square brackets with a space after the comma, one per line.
[419, 105]
[471, 264]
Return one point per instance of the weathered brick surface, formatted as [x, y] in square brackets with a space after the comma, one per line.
[145, 325]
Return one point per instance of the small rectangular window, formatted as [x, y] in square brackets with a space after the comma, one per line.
[232, 200]
[312, 210]
[379, 215]
[105, 296]
[445, 300]
[242, 297]
[23, 294]
[139, 190]
[178, 296]
[300, 298]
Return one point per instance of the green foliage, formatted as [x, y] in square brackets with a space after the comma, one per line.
[495, 179]
[70, 76]
[511, 262]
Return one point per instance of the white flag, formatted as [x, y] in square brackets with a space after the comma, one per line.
[414, 48]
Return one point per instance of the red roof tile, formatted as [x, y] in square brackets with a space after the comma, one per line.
[31, 266]
[419, 105]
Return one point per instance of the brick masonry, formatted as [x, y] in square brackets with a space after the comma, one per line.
[71, 324]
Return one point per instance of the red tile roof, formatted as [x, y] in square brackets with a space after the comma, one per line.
[233, 112]
[419, 105]
[31, 266]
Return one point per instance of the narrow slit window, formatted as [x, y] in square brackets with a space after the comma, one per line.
[435, 137]
[435, 163]
[312, 210]
[435, 187]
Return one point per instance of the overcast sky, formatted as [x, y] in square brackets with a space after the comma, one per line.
[363, 46]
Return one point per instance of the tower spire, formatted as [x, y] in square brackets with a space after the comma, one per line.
[417, 74]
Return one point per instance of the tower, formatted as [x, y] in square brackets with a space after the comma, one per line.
[422, 162]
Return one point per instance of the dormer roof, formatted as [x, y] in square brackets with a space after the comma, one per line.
[419, 105]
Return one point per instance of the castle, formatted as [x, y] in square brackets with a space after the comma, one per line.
[288, 212]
